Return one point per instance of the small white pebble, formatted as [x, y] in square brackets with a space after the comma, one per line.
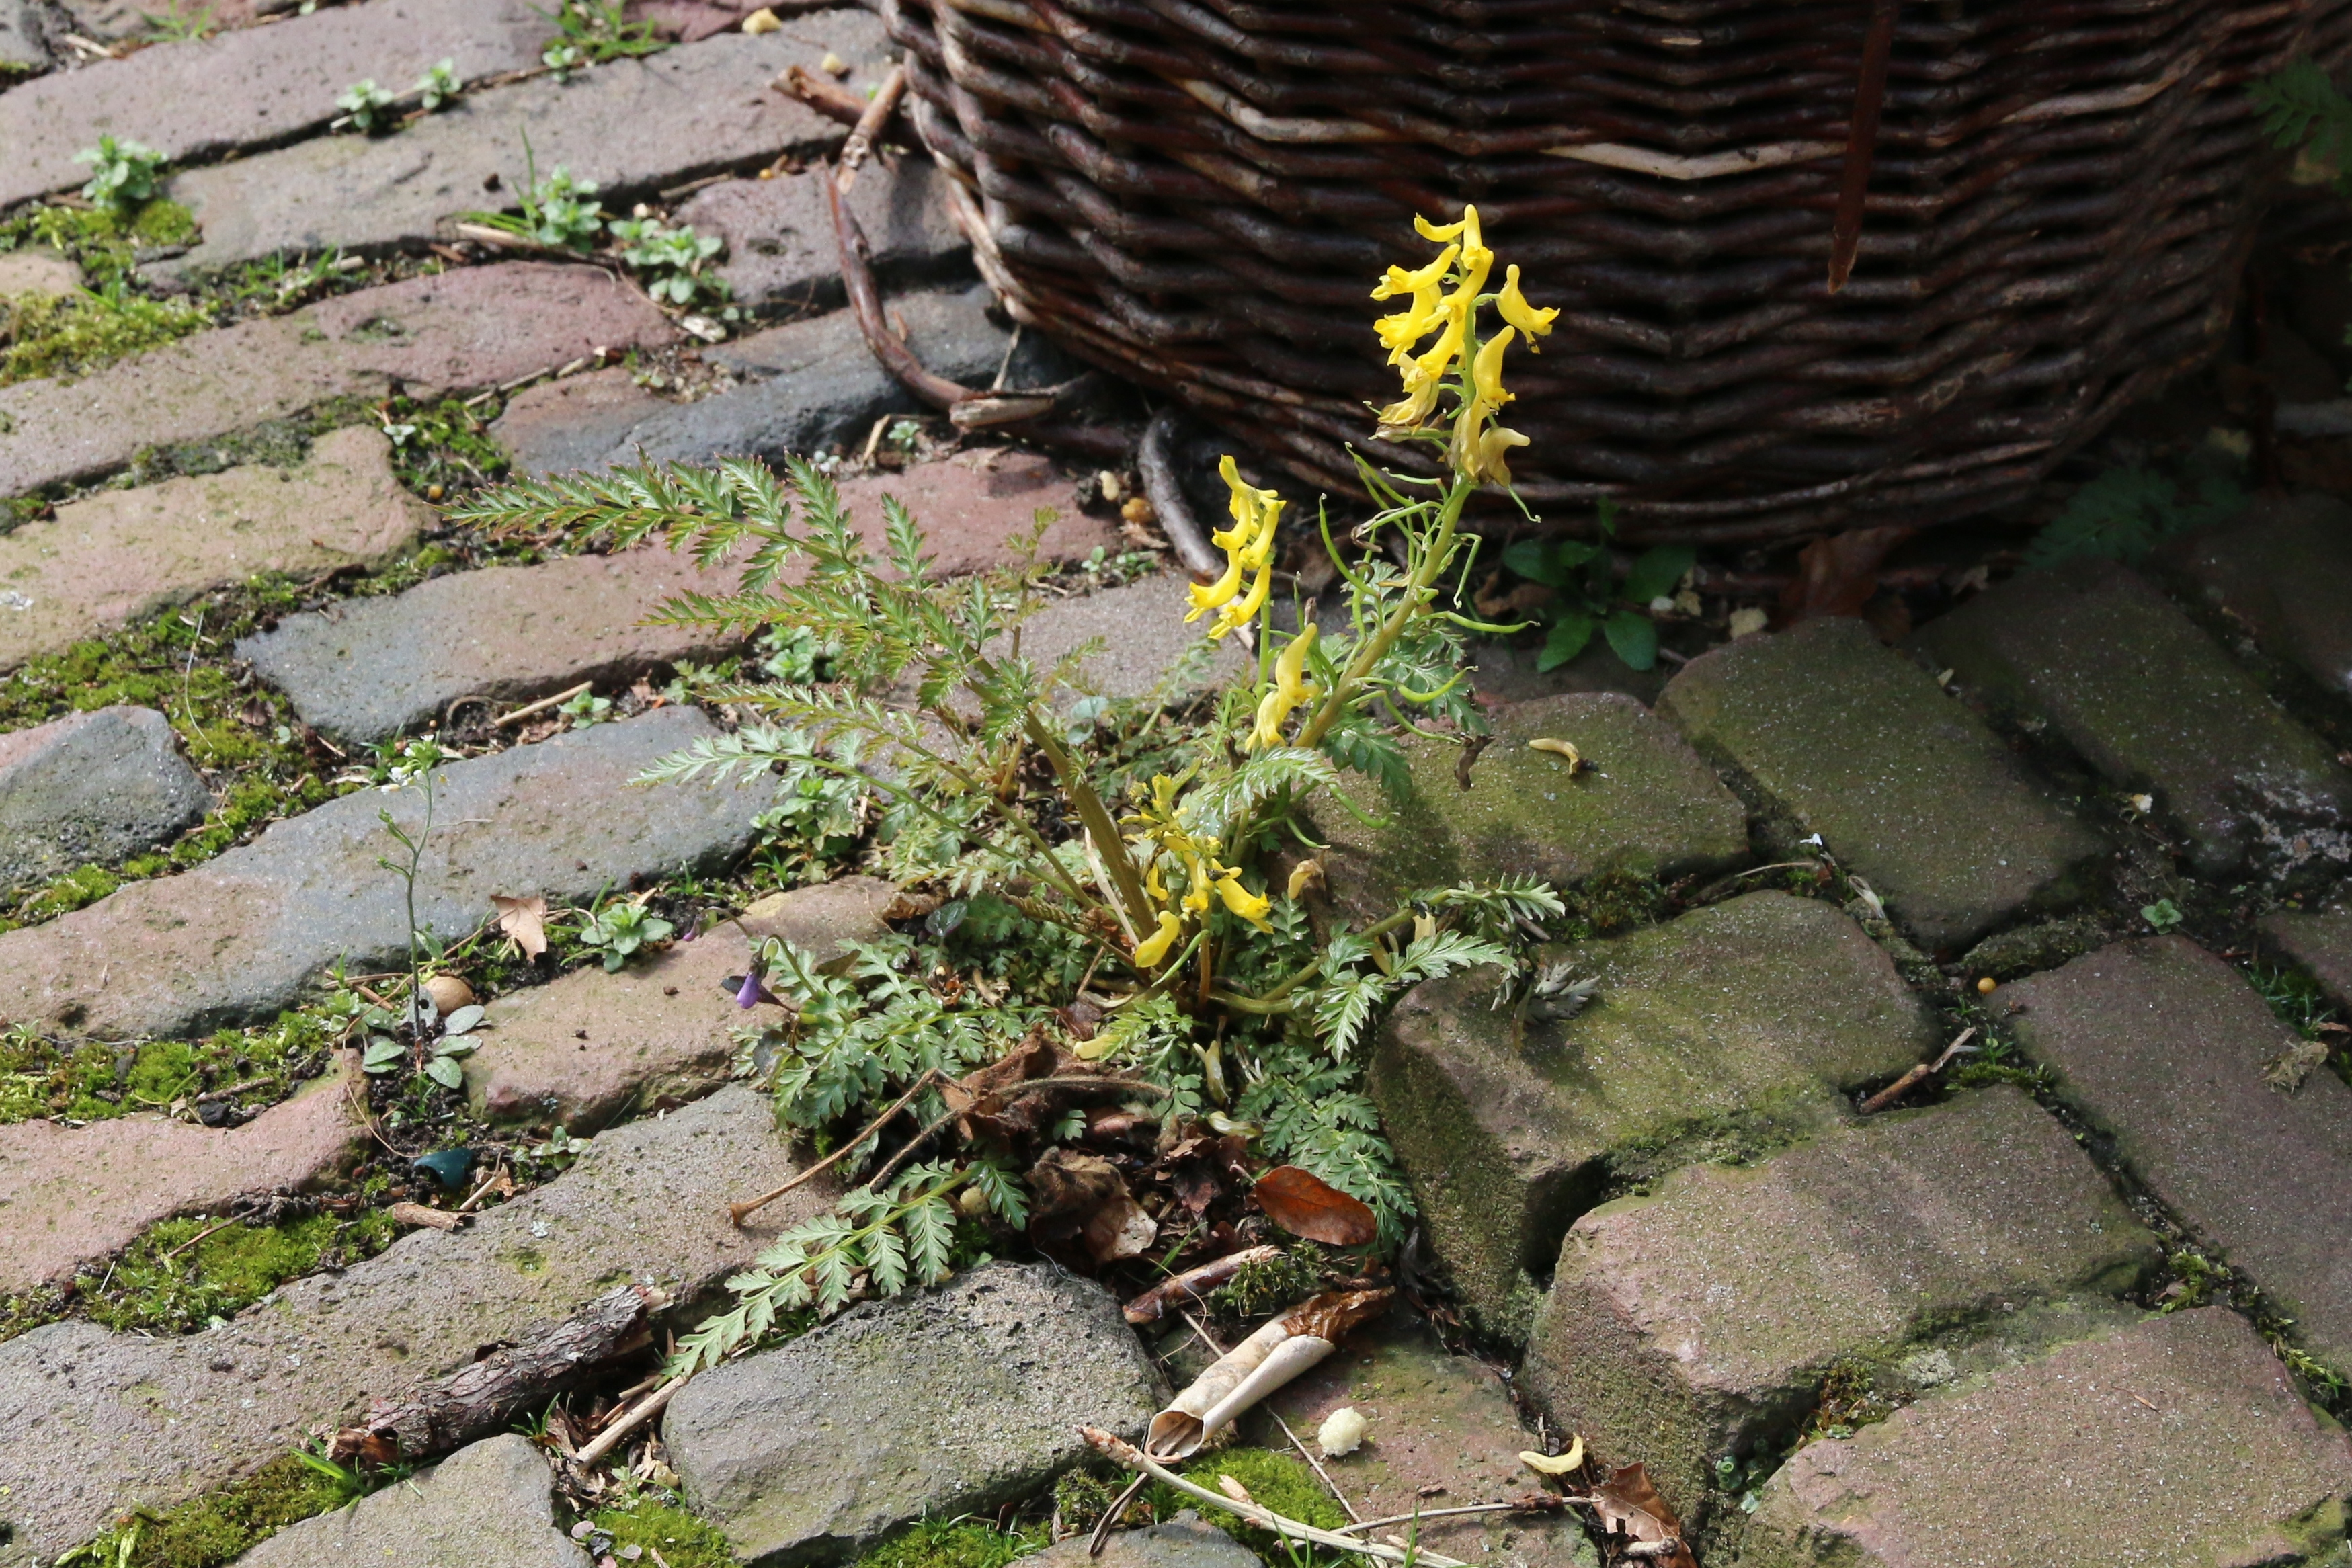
[1747, 621]
[762, 21]
[1342, 1433]
[833, 65]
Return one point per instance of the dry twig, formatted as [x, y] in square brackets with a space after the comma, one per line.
[1903, 1085]
[738, 1212]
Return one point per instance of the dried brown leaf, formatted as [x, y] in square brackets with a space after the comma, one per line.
[525, 920]
[1838, 573]
[1308, 1206]
[1629, 1504]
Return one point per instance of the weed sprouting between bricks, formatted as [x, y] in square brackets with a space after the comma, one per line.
[1169, 964]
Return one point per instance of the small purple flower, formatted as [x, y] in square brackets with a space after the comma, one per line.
[749, 996]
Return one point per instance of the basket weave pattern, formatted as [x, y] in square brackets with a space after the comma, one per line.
[1198, 193]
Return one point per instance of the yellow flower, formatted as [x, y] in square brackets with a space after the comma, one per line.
[1290, 688]
[1486, 371]
[1515, 309]
[1398, 281]
[1412, 411]
[1486, 459]
[1250, 906]
[1196, 889]
[1475, 452]
[1249, 547]
[1154, 947]
[1467, 223]
[1401, 331]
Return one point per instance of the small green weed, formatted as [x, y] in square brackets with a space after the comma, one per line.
[616, 931]
[954, 1544]
[367, 108]
[556, 211]
[122, 173]
[1588, 597]
[180, 25]
[592, 32]
[670, 259]
[1257, 1289]
[2126, 512]
[438, 86]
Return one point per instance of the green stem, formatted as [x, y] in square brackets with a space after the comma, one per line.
[1267, 1003]
[1095, 818]
[1417, 590]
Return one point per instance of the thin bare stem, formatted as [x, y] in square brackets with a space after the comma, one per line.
[1428, 1513]
[610, 1438]
[1345, 690]
[738, 1212]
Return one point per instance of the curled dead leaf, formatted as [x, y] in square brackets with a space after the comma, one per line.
[1308, 1206]
[1555, 1464]
[525, 920]
[1628, 1503]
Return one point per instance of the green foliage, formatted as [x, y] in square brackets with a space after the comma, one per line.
[1276, 1481]
[592, 32]
[438, 86]
[179, 25]
[2126, 512]
[1587, 598]
[69, 335]
[2301, 108]
[1257, 1290]
[122, 173]
[556, 211]
[2163, 914]
[91, 1081]
[954, 1544]
[618, 930]
[366, 107]
[670, 260]
[164, 1285]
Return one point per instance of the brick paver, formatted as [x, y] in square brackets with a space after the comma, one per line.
[780, 245]
[1734, 1026]
[2167, 1047]
[1695, 1321]
[252, 87]
[2283, 572]
[92, 786]
[632, 127]
[1908, 788]
[475, 327]
[115, 556]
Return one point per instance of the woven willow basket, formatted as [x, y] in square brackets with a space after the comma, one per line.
[1199, 193]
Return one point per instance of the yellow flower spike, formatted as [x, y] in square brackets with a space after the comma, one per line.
[1196, 890]
[1153, 885]
[1206, 597]
[1467, 222]
[1248, 544]
[1493, 446]
[1247, 905]
[1236, 616]
[1515, 309]
[1401, 331]
[1398, 281]
[1440, 356]
[1154, 947]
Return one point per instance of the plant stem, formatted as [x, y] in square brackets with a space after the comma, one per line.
[1417, 588]
[1266, 1004]
[1097, 820]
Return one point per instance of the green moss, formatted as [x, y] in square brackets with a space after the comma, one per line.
[1613, 903]
[1278, 1481]
[66, 336]
[684, 1541]
[88, 1081]
[217, 1528]
[948, 1544]
[159, 1288]
[1261, 1287]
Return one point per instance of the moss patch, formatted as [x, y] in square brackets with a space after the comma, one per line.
[69, 335]
[91, 1080]
[951, 1544]
[684, 1541]
[219, 1527]
[164, 1285]
[1278, 1482]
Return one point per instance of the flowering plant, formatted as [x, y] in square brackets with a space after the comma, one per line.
[1213, 997]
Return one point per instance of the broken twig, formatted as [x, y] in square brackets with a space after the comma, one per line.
[738, 1212]
[860, 145]
[610, 1438]
[1193, 1284]
[543, 703]
[1905, 1085]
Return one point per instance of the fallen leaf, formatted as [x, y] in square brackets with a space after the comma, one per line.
[1308, 1206]
[1628, 1503]
[2288, 1070]
[1838, 573]
[1555, 1464]
[525, 920]
[1085, 1195]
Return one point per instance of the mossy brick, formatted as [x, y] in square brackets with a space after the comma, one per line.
[960, 1399]
[114, 556]
[1187, 1541]
[100, 1424]
[2166, 1048]
[1645, 804]
[1699, 1321]
[2118, 672]
[779, 233]
[2317, 942]
[72, 1195]
[1907, 787]
[491, 1504]
[2283, 570]
[240, 936]
[92, 786]
[252, 87]
[436, 333]
[368, 669]
[630, 127]
[1735, 1026]
[1441, 1431]
[2178, 1440]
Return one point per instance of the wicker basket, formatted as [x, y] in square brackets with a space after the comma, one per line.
[1198, 193]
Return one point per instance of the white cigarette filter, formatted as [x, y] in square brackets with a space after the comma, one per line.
[1276, 1353]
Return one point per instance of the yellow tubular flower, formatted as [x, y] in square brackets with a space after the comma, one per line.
[1515, 309]
[1430, 231]
[1440, 356]
[1398, 281]
[1290, 688]
[1236, 616]
[1196, 892]
[1412, 411]
[1154, 947]
[1401, 331]
[1207, 597]
[1493, 445]
[1248, 545]
[1250, 906]
[1486, 371]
